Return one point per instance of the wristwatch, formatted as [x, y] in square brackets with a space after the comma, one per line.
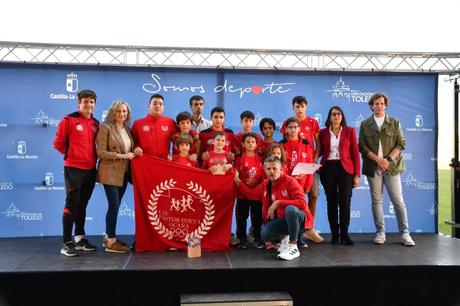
[388, 158]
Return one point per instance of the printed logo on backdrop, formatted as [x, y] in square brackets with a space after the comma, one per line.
[406, 155]
[363, 183]
[104, 115]
[355, 214]
[70, 85]
[411, 181]
[433, 210]
[418, 122]
[125, 211]
[358, 120]
[6, 186]
[342, 91]
[13, 212]
[390, 213]
[319, 118]
[43, 120]
[21, 148]
[48, 184]
[155, 85]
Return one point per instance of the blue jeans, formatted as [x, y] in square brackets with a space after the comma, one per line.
[292, 224]
[394, 189]
[114, 195]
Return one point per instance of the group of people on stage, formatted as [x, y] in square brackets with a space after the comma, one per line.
[266, 189]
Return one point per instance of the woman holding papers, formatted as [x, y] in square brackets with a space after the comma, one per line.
[340, 171]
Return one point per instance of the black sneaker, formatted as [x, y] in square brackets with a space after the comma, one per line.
[84, 245]
[68, 249]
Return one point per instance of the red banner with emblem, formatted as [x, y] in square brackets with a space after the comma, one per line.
[175, 203]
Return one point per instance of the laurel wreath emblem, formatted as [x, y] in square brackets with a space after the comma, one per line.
[206, 223]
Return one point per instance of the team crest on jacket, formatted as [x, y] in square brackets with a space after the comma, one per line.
[180, 212]
[164, 128]
[284, 193]
[79, 127]
[304, 154]
[146, 128]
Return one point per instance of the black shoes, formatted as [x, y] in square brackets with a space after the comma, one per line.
[68, 249]
[84, 245]
[335, 240]
[345, 240]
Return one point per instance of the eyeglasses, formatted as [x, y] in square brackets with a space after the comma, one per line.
[336, 114]
[292, 127]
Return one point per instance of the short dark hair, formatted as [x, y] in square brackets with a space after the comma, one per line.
[376, 96]
[218, 133]
[290, 120]
[156, 96]
[299, 100]
[271, 159]
[247, 114]
[86, 93]
[217, 109]
[267, 120]
[249, 134]
[184, 138]
[183, 116]
[328, 121]
[193, 98]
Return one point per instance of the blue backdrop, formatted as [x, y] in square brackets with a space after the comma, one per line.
[34, 98]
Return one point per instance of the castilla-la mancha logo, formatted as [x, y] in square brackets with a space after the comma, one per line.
[180, 213]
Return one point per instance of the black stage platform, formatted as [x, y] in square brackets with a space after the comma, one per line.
[33, 272]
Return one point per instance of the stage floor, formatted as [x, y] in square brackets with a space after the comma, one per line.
[32, 269]
[41, 254]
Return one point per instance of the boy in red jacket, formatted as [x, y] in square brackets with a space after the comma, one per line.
[75, 139]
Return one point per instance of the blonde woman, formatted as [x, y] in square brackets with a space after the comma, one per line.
[115, 150]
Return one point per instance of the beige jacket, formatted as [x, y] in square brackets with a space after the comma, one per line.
[111, 170]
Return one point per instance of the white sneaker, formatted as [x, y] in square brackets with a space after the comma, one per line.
[283, 245]
[406, 239]
[290, 253]
[379, 238]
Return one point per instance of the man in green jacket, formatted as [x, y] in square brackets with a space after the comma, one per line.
[381, 141]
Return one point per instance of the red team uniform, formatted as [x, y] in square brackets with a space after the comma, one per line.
[216, 159]
[194, 148]
[239, 145]
[185, 161]
[308, 128]
[250, 170]
[153, 135]
[297, 151]
[206, 140]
